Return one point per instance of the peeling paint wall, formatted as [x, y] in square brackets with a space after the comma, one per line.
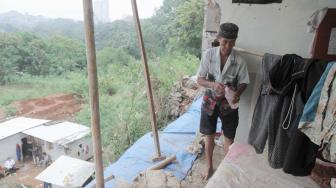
[273, 28]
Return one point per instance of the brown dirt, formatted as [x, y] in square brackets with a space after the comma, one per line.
[195, 176]
[53, 107]
[25, 175]
[2, 114]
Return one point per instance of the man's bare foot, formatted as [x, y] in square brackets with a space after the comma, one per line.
[208, 174]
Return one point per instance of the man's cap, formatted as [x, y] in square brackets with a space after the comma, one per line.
[228, 30]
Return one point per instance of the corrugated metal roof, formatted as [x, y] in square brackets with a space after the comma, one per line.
[67, 172]
[16, 125]
[60, 133]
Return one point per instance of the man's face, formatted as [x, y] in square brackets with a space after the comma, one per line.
[226, 45]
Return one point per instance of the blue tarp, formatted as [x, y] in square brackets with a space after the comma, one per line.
[174, 140]
[188, 123]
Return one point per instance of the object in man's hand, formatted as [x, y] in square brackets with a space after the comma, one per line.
[230, 96]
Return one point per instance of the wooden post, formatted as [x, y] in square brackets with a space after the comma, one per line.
[147, 80]
[93, 91]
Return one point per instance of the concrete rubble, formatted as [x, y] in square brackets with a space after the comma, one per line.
[156, 179]
[181, 96]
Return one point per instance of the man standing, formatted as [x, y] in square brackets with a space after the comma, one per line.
[221, 67]
[34, 154]
[18, 152]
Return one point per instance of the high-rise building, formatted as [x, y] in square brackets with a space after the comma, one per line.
[101, 11]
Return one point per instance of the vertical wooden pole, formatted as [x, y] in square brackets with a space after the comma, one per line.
[147, 79]
[93, 90]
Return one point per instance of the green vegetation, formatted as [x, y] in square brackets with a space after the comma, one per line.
[36, 64]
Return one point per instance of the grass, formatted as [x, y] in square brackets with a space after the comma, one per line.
[34, 87]
[122, 94]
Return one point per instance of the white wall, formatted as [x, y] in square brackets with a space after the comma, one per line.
[55, 186]
[274, 28]
[249, 98]
[8, 147]
[74, 149]
[54, 152]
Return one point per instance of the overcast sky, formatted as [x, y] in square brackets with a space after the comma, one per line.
[74, 9]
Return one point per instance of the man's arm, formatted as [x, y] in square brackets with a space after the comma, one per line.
[241, 88]
[208, 84]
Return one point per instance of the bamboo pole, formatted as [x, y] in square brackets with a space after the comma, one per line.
[147, 79]
[259, 54]
[93, 91]
[163, 163]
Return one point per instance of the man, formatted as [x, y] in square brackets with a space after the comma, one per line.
[45, 159]
[18, 152]
[34, 154]
[10, 165]
[221, 67]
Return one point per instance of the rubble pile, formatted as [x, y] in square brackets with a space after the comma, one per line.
[181, 96]
[156, 179]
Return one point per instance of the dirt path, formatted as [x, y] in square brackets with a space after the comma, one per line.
[194, 179]
[52, 107]
[2, 113]
[25, 175]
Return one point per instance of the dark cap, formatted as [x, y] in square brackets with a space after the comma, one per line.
[228, 30]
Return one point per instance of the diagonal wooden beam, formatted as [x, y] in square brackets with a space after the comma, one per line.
[147, 80]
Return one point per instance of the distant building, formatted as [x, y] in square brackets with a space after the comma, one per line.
[53, 138]
[101, 11]
[67, 172]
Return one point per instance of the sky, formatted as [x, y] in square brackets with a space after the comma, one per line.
[73, 9]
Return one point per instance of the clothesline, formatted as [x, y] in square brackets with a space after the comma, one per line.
[259, 54]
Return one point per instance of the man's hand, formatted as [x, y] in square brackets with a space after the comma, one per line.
[240, 90]
[218, 87]
[235, 99]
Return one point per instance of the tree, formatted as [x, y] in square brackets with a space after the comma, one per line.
[110, 55]
[188, 26]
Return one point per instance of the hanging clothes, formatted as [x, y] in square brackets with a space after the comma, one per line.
[257, 1]
[319, 118]
[278, 111]
[259, 130]
[301, 152]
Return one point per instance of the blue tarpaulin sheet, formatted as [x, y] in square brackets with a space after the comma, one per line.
[187, 123]
[174, 140]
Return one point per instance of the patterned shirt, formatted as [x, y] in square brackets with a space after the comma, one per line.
[234, 72]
